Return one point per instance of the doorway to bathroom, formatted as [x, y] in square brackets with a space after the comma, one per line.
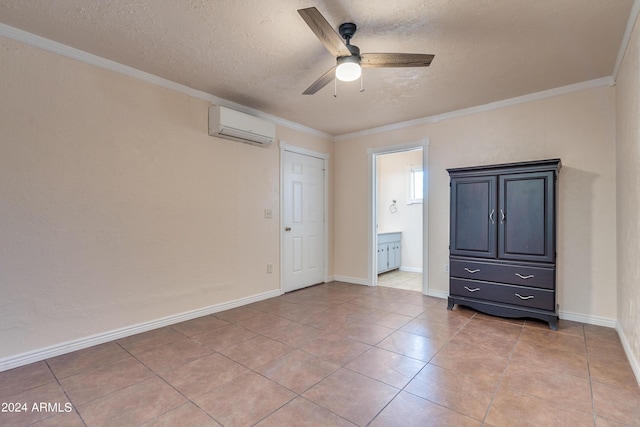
[398, 233]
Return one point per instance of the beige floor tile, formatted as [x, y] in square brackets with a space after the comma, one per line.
[321, 320]
[204, 374]
[302, 413]
[199, 325]
[605, 422]
[473, 361]
[564, 326]
[562, 361]
[271, 305]
[264, 322]
[187, 415]
[605, 347]
[299, 312]
[459, 392]
[97, 382]
[24, 378]
[92, 357]
[171, 356]
[67, 419]
[533, 338]
[503, 330]
[238, 314]
[383, 318]
[404, 309]
[244, 401]
[614, 372]
[133, 405]
[408, 410]
[297, 371]
[511, 408]
[339, 354]
[225, 336]
[476, 336]
[256, 351]
[336, 349]
[440, 314]
[146, 341]
[617, 404]
[336, 393]
[430, 329]
[295, 335]
[364, 332]
[386, 366]
[571, 391]
[415, 346]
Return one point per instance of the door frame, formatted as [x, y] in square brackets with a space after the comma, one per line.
[325, 165]
[372, 279]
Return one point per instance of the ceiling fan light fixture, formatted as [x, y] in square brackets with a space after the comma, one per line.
[348, 68]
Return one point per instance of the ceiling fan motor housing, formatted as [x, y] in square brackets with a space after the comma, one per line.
[347, 30]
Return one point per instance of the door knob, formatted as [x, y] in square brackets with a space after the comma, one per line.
[287, 229]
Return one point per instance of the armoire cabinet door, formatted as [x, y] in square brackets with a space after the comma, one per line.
[474, 217]
[526, 217]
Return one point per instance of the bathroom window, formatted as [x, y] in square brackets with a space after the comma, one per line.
[416, 180]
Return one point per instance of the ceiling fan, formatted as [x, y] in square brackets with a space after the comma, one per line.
[348, 58]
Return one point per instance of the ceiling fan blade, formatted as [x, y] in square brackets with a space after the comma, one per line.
[323, 30]
[378, 60]
[321, 82]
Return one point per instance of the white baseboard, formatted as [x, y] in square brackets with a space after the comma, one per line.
[354, 280]
[437, 294]
[635, 363]
[588, 319]
[82, 343]
[411, 269]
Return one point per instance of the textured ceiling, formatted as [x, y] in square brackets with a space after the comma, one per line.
[261, 54]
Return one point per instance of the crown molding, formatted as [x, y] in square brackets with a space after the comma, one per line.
[88, 58]
[604, 81]
[631, 22]
[79, 55]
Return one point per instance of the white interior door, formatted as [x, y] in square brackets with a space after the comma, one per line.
[303, 221]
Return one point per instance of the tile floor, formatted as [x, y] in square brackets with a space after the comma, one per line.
[336, 355]
[401, 280]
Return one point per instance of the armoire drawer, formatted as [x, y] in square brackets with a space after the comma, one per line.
[537, 277]
[510, 294]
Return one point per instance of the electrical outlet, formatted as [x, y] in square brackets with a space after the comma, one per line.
[268, 214]
[446, 268]
[269, 268]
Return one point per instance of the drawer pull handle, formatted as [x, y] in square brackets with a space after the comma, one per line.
[471, 271]
[527, 297]
[473, 290]
[524, 277]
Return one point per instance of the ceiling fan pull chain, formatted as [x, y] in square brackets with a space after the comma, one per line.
[335, 87]
[361, 83]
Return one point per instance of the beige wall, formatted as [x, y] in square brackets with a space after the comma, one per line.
[117, 208]
[579, 128]
[628, 203]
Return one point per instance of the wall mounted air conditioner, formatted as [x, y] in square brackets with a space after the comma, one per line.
[235, 125]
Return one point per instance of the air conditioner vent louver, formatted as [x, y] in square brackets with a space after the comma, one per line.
[237, 126]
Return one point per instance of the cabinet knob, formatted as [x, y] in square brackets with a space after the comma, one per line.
[287, 229]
